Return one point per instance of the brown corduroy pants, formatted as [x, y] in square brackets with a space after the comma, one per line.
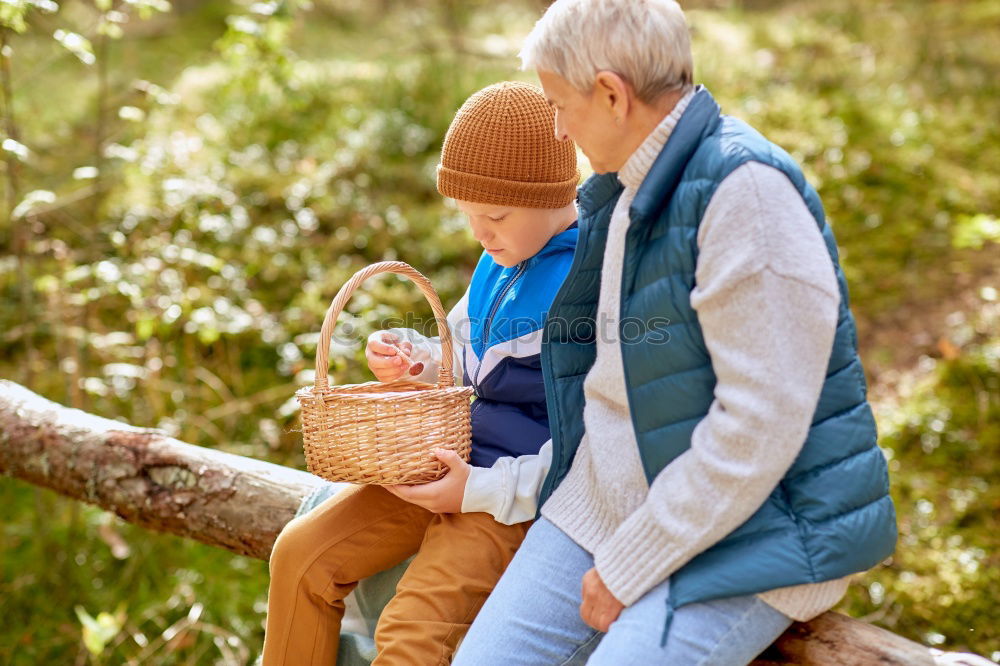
[320, 557]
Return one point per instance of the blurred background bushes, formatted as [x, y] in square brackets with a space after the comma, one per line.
[187, 185]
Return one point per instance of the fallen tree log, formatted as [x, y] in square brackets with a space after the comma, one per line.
[241, 504]
[147, 478]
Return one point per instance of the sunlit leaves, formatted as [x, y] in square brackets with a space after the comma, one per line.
[31, 201]
[147, 8]
[974, 231]
[14, 12]
[131, 113]
[85, 173]
[111, 24]
[245, 25]
[76, 44]
[99, 631]
[16, 148]
[884, 128]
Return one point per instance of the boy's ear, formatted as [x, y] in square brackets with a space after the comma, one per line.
[613, 93]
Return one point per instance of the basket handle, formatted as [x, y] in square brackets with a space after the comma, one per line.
[445, 372]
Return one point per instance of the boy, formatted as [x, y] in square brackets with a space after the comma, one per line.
[516, 183]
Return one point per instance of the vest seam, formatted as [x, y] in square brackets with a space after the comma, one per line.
[730, 540]
[837, 371]
[842, 412]
[672, 374]
[797, 520]
[841, 514]
[827, 465]
[660, 278]
[667, 425]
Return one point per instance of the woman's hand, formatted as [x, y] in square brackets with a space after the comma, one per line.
[599, 607]
[384, 359]
[444, 495]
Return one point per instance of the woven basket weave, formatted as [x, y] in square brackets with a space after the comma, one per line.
[384, 432]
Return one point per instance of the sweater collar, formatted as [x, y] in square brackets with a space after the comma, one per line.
[700, 120]
[634, 171]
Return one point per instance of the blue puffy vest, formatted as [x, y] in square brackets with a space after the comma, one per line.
[831, 515]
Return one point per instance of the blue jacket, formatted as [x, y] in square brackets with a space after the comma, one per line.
[506, 310]
[497, 333]
[831, 515]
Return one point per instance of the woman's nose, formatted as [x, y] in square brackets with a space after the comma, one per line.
[561, 134]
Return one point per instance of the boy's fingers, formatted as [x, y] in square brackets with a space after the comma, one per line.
[418, 493]
[379, 364]
[390, 338]
[408, 493]
[448, 457]
[398, 489]
[386, 362]
[382, 348]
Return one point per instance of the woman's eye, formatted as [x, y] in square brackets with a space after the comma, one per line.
[498, 219]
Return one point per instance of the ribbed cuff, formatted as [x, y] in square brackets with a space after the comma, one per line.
[635, 559]
[575, 509]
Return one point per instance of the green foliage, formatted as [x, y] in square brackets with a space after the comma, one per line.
[943, 444]
[76, 44]
[254, 157]
[14, 13]
[975, 231]
[99, 631]
[891, 131]
[80, 586]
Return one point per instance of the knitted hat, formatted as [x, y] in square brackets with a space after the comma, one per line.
[501, 149]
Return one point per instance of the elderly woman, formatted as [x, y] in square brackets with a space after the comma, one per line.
[713, 472]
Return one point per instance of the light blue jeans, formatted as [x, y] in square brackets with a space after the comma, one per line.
[532, 618]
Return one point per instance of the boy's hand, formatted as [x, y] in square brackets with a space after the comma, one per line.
[382, 354]
[444, 495]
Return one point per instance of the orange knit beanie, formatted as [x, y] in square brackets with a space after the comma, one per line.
[501, 149]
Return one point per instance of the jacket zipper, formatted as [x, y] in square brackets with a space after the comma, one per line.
[489, 319]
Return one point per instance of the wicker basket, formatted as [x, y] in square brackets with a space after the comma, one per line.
[384, 432]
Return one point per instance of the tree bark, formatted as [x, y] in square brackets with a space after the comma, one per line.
[241, 504]
[147, 478]
[833, 638]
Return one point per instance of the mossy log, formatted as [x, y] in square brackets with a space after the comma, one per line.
[147, 478]
[241, 504]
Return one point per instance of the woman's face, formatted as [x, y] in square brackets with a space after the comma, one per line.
[587, 119]
[511, 234]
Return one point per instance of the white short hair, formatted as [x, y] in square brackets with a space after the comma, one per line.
[646, 42]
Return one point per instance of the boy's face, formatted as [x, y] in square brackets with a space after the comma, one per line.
[511, 234]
